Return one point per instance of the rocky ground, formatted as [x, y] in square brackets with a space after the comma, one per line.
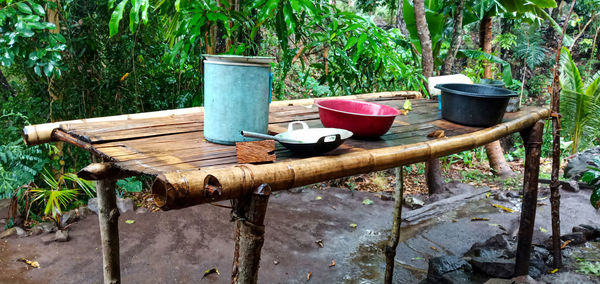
[307, 229]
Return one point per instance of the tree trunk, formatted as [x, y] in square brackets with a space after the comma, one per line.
[108, 217]
[532, 138]
[400, 24]
[250, 212]
[5, 85]
[424, 38]
[493, 150]
[433, 169]
[456, 39]
[392, 243]
[485, 43]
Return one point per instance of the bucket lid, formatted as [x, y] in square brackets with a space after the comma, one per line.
[238, 60]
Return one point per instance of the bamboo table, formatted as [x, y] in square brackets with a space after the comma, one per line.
[170, 146]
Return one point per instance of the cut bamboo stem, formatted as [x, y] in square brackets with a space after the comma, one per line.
[249, 213]
[532, 138]
[42, 133]
[179, 189]
[392, 244]
[108, 217]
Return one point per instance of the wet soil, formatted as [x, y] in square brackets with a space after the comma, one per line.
[179, 246]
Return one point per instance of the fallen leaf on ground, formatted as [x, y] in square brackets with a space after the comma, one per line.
[554, 270]
[367, 202]
[487, 195]
[437, 134]
[129, 221]
[543, 230]
[33, 264]
[332, 264]
[503, 208]
[211, 271]
[479, 219]
[564, 245]
[353, 225]
[308, 276]
[319, 242]
[417, 258]
[319, 198]
[434, 248]
[403, 111]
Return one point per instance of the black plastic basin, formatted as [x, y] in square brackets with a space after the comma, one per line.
[474, 105]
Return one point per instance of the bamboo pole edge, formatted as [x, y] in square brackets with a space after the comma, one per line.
[378, 159]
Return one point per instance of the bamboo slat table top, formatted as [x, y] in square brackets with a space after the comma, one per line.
[174, 143]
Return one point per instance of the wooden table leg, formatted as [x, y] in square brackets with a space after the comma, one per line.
[249, 213]
[390, 248]
[532, 138]
[108, 216]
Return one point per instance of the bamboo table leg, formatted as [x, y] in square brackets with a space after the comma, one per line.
[532, 138]
[390, 248]
[249, 213]
[108, 215]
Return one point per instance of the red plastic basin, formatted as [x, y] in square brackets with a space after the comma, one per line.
[364, 119]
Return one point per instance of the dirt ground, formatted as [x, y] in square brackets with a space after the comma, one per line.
[179, 246]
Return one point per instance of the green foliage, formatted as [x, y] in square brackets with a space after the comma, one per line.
[530, 47]
[24, 37]
[18, 166]
[592, 177]
[60, 192]
[480, 55]
[506, 41]
[130, 184]
[580, 104]
[589, 267]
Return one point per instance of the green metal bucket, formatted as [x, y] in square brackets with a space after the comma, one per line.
[237, 92]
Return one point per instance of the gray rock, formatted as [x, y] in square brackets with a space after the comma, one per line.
[498, 281]
[513, 194]
[500, 245]
[534, 272]
[575, 238]
[590, 231]
[83, 211]
[501, 196]
[538, 260]
[524, 279]
[577, 165]
[36, 230]
[48, 227]
[387, 196]
[20, 232]
[570, 185]
[494, 267]
[513, 105]
[457, 277]
[141, 210]
[2, 221]
[568, 278]
[413, 202]
[93, 205]
[61, 236]
[8, 232]
[125, 205]
[439, 266]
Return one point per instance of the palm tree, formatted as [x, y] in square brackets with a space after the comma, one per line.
[580, 103]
